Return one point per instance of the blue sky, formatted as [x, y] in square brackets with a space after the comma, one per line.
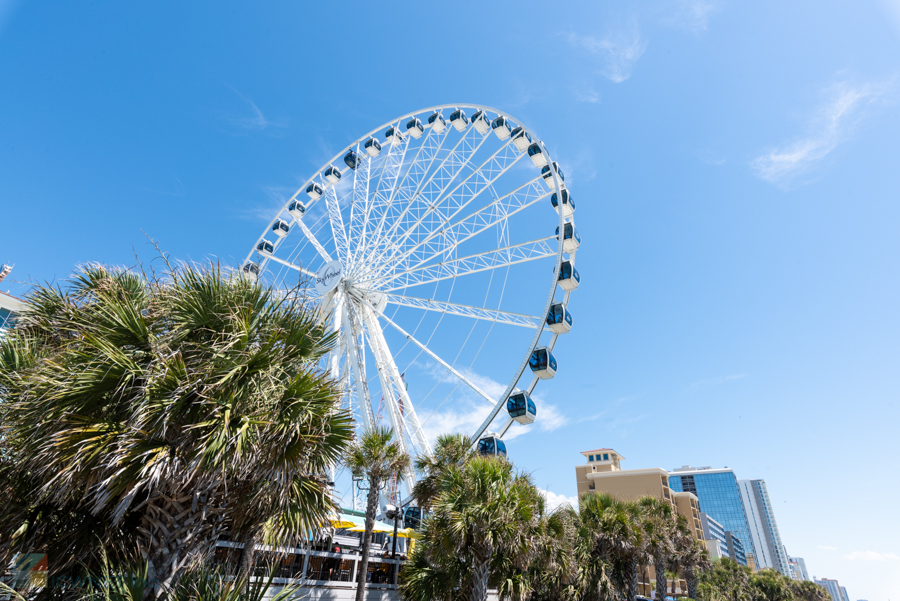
[736, 165]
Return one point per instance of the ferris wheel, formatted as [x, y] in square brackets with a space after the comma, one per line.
[441, 245]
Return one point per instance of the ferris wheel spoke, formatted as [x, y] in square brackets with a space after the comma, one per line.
[388, 176]
[359, 204]
[407, 192]
[502, 257]
[313, 240]
[293, 266]
[337, 223]
[436, 184]
[513, 319]
[446, 365]
[449, 204]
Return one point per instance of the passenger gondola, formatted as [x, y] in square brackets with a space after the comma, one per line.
[571, 238]
[542, 363]
[547, 174]
[568, 205]
[314, 191]
[521, 138]
[415, 128]
[459, 120]
[481, 122]
[333, 174]
[251, 270]
[265, 248]
[559, 319]
[296, 209]
[373, 147]
[281, 228]
[393, 135]
[521, 408]
[437, 121]
[537, 155]
[568, 276]
[351, 159]
[502, 127]
[492, 446]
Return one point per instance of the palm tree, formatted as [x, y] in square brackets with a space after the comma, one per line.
[553, 573]
[614, 529]
[165, 411]
[376, 457]
[451, 450]
[485, 514]
[726, 579]
[689, 554]
[659, 526]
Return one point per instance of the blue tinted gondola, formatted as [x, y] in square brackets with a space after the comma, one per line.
[568, 205]
[521, 408]
[393, 135]
[351, 159]
[415, 128]
[502, 127]
[458, 119]
[492, 446]
[373, 147]
[481, 122]
[537, 155]
[521, 138]
[412, 517]
[296, 209]
[559, 319]
[571, 238]
[547, 174]
[251, 270]
[314, 191]
[281, 228]
[568, 276]
[436, 120]
[265, 248]
[542, 363]
[333, 174]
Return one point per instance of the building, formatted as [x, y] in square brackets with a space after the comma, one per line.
[768, 550]
[603, 473]
[9, 305]
[719, 497]
[844, 594]
[736, 548]
[714, 536]
[798, 568]
[833, 588]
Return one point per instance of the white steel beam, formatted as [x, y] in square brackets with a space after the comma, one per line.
[513, 319]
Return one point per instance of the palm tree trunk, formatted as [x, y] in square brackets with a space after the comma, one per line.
[371, 508]
[659, 564]
[691, 577]
[630, 576]
[481, 571]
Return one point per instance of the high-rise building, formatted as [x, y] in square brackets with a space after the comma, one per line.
[844, 594]
[724, 543]
[833, 588]
[768, 549]
[798, 568]
[719, 497]
[736, 548]
[603, 472]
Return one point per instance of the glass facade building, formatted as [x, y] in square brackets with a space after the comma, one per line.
[720, 498]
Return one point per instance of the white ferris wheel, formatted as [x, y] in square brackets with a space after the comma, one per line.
[433, 241]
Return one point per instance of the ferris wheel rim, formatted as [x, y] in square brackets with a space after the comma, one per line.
[540, 327]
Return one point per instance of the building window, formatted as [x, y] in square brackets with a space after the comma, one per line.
[605, 456]
[590, 457]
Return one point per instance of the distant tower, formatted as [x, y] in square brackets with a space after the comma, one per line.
[4, 271]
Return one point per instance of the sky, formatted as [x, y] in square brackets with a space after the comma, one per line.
[736, 165]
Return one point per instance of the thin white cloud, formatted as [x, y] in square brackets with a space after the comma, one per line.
[554, 500]
[692, 15]
[827, 548]
[709, 382]
[586, 95]
[871, 556]
[618, 50]
[253, 120]
[830, 125]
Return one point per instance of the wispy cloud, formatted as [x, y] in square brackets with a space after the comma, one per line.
[830, 125]
[466, 410]
[692, 15]
[618, 50]
[586, 95]
[709, 382]
[554, 500]
[252, 119]
[827, 548]
[871, 556]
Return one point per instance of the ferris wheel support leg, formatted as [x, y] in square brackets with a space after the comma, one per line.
[357, 362]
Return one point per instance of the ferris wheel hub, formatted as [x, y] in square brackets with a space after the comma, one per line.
[328, 277]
